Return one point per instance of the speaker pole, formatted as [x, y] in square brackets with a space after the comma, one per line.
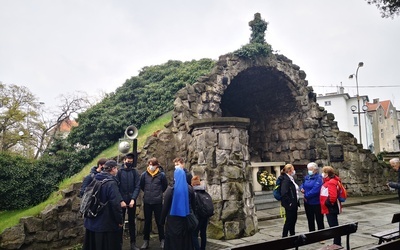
[135, 157]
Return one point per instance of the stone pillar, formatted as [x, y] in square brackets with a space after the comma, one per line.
[220, 156]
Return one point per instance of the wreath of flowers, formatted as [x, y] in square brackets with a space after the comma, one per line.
[265, 178]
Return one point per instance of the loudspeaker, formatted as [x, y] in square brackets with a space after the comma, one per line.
[124, 147]
[131, 132]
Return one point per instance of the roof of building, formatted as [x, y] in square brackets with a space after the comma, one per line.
[67, 125]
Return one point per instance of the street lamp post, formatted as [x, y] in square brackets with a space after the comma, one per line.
[360, 64]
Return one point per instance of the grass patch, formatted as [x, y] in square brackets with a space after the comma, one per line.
[12, 217]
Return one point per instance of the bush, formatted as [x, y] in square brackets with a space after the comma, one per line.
[24, 182]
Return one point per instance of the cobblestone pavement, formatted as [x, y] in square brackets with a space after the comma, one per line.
[372, 213]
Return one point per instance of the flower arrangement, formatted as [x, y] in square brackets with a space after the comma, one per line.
[266, 179]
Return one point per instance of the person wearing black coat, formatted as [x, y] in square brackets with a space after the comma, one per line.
[179, 162]
[102, 231]
[290, 199]
[129, 188]
[93, 171]
[153, 183]
[179, 200]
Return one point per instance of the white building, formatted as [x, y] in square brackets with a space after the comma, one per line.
[379, 120]
[341, 106]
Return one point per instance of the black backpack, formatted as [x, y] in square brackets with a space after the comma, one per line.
[91, 205]
[204, 204]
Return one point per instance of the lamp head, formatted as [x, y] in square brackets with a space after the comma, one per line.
[360, 64]
[351, 76]
[364, 108]
[353, 108]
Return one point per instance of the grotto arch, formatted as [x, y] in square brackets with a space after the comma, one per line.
[261, 108]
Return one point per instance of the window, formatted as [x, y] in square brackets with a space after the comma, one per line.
[327, 103]
[355, 121]
[391, 113]
[380, 117]
[382, 133]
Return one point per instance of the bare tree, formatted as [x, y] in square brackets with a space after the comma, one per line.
[70, 104]
[388, 8]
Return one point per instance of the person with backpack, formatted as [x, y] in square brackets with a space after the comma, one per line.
[102, 231]
[93, 171]
[153, 183]
[129, 180]
[330, 205]
[311, 189]
[289, 199]
[204, 209]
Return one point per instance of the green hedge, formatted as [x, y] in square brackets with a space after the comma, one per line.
[24, 182]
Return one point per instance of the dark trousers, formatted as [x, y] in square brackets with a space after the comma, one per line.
[313, 212]
[101, 241]
[131, 222]
[148, 211]
[332, 222]
[290, 222]
[202, 228]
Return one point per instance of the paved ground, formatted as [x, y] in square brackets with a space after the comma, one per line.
[372, 213]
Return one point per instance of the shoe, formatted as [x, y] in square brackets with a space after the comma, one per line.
[145, 245]
[134, 247]
[162, 244]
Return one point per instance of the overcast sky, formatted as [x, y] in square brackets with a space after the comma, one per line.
[56, 47]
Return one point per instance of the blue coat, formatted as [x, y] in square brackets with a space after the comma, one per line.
[312, 188]
[111, 216]
[88, 179]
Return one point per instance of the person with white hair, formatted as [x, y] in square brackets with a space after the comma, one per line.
[395, 163]
[311, 188]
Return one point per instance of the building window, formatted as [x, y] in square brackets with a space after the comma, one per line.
[391, 113]
[327, 103]
[382, 133]
[380, 117]
[355, 121]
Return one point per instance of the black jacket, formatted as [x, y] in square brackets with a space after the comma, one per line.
[129, 180]
[288, 193]
[153, 187]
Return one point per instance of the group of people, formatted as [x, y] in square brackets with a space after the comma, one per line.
[320, 198]
[169, 204]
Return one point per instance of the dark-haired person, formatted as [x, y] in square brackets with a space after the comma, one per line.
[93, 171]
[330, 205]
[102, 231]
[153, 183]
[180, 163]
[129, 180]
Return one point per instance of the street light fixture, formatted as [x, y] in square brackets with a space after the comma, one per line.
[360, 64]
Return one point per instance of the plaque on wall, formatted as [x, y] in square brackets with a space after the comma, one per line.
[335, 152]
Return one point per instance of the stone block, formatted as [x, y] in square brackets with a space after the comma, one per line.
[32, 224]
[13, 237]
[232, 230]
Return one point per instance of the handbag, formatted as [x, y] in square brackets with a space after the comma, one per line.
[191, 222]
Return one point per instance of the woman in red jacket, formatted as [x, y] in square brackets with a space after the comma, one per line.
[330, 205]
